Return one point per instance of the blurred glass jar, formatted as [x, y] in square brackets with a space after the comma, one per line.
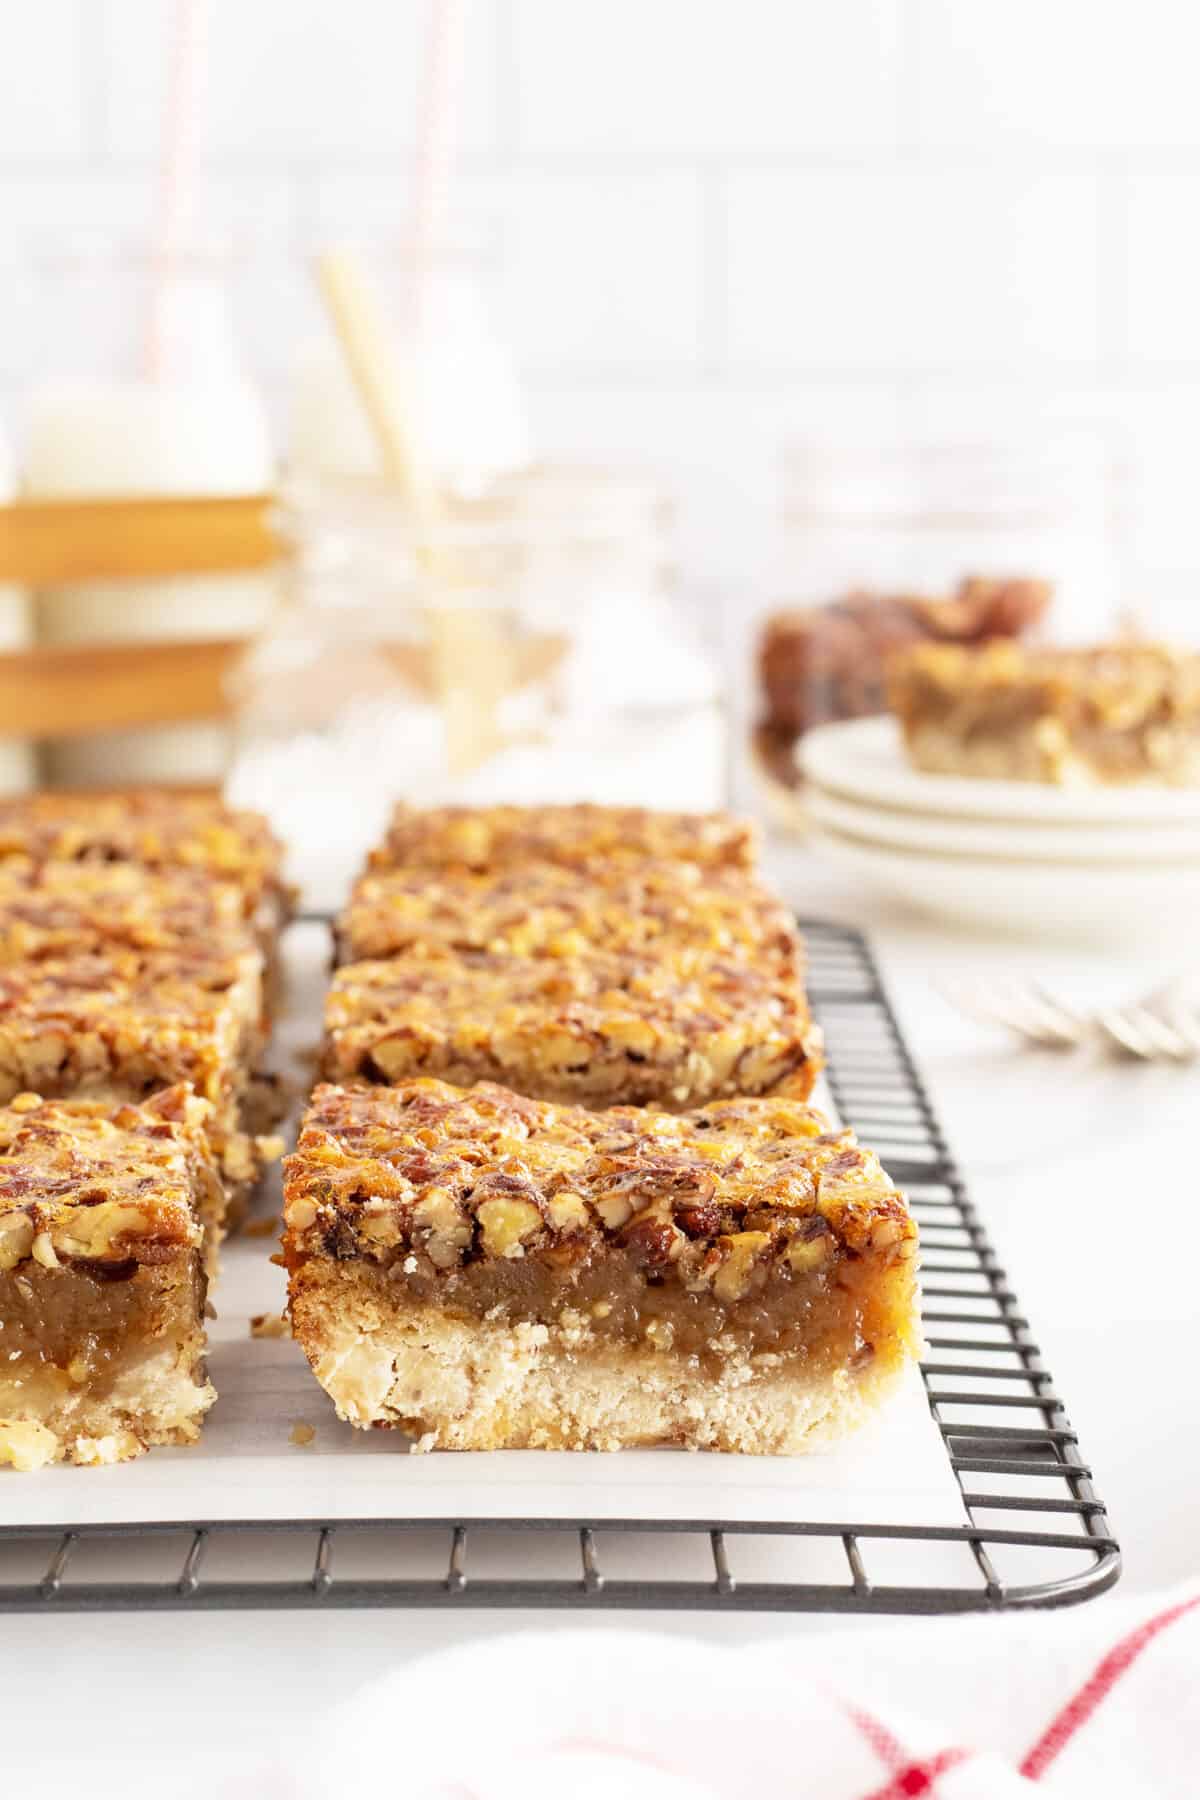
[139, 389]
[527, 649]
[879, 547]
[461, 382]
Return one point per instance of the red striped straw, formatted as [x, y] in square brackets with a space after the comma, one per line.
[186, 67]
[438, 106]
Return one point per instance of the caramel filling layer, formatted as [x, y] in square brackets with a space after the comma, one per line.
[834, 1317]
[77, 1329]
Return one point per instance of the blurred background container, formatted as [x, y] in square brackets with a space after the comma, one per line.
[878, 546]
[800, 223]
[526, 646]
[915, 518]
[898, 223]
[144, 393]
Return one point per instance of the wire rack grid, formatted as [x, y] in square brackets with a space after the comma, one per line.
[1033, 1534]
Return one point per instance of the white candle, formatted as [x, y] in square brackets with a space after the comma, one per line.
[16, 633]
[141, 437]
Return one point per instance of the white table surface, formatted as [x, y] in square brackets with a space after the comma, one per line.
[1086, 1180]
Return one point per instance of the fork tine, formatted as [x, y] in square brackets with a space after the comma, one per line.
[1018, 1008]
[1142, 1034]
[970, 1000]
[1169, 1005]
[1123, 1033]
[1166, 1034]
[1056, 1026]
[1060, 1015]
[1000, 1006]
[1148, 1030]
[1047, 1023]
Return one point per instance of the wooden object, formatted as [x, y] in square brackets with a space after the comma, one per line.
[74, 690]
[77, 690]
[51, 543]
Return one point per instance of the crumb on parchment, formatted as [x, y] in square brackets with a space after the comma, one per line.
[26, 1446]
[270, 1325]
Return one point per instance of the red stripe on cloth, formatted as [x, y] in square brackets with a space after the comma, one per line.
[919, 1777]
[886, 1746]
[1108, 1671]
[908, 1777]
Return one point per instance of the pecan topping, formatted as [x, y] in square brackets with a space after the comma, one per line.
[713, 1199]
[652, 1240]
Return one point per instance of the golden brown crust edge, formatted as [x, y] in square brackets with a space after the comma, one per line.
[512, 1384]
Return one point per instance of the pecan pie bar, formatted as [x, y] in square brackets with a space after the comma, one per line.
[156, 829]
[542, 909]
[60, 909]
[102, 1277]
[575, 837]
[597, 1030]
[485, 1271]
[1125, 713]
[817, 663]
[117, 1025]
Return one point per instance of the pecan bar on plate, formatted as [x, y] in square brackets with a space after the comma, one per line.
[543, 909]
[575, 837]
[1124, 713]
[102, 1277]
[485, 1271]
[669, 1030]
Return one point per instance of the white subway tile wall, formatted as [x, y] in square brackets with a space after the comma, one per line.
[43, 109]
[711, 228]
[912, 269]
[703, 77]
[598, 269]
[1093, 75]
[297, 80]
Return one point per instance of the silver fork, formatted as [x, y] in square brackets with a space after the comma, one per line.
[1153, 1031]
[1024, 1008]
[1156, 1028]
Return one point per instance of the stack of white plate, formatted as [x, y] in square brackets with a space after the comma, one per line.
[1072, 861]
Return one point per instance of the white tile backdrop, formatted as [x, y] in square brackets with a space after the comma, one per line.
[718, 224]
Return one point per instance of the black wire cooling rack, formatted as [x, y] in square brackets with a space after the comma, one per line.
[1033, 1532]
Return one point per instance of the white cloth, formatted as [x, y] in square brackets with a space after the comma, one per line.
[1103, 1702]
